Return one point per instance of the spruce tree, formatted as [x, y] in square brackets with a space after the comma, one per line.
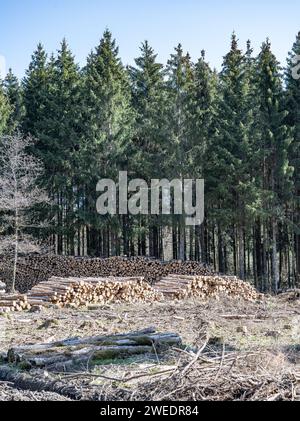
[108, 124]
[229, 166]
[149, 100]
[180, 75]
[149, 147]
[35, 86]
[4, 110]
[14, 94]
[273, 141]
[59, 137]
[293, 120]
[203, 95]
[52, 103]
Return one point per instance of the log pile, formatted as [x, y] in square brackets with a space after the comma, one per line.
[35, 269]
[82, 292]
[64, 354]
[78, 292]
[202, 287]
[13, 302]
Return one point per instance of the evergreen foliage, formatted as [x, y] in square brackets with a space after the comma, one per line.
[239, 129]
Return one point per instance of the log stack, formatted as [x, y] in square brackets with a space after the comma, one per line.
[35, 269]
[202, 287]
[82, 292]
[79, 292]
[13, 302]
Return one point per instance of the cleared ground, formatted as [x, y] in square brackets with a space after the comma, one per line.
[249, 351]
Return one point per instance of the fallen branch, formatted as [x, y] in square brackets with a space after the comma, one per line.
[114, 379]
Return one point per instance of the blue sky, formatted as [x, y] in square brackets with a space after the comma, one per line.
[197, 24]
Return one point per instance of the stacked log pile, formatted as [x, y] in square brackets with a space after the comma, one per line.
[64, 354]
[13, 302]
[78, 292]
[203, 287]
[35, 269]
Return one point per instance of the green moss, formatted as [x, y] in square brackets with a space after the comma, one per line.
[24, 365]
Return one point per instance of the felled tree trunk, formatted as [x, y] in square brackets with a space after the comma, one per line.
[76, 351]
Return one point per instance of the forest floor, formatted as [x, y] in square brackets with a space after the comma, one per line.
[250, 351]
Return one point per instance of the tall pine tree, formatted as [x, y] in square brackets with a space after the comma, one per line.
[293, 120]
[180, 75]
[4, 110]
[202, 121]
[108, 129]
[229, 170]
[35, 85]
[149, 147]
[58, 133]
[273, 170]
[14, 94]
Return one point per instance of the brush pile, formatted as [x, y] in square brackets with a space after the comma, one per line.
[35, 269]
[79, 292]
[202, 287]
[215, 375]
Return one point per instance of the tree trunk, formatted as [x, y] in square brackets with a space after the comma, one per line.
[220, 251]
[72, 351]
[181, 241]
[16, 251]
[13, 287]
[167, 244]
[241, 252]
[275, 264]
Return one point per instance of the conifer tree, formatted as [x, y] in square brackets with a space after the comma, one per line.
[203, 98]
[238, 129]
[35, 86]
[149, 98]
[203, 95]
[293, 120]
[14, 94]
[149, 147]
[58, 144]
[4, 110]
[229, 174]
[52, 103]
[180, 74]
[273, 142]
[108, 124]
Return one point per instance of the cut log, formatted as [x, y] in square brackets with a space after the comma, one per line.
[33, 270]
[79, 350]
[78, 292]
[203, 287]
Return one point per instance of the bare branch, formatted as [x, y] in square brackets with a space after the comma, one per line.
[19, 193]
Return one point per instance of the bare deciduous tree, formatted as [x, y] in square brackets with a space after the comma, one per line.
[19, 193]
